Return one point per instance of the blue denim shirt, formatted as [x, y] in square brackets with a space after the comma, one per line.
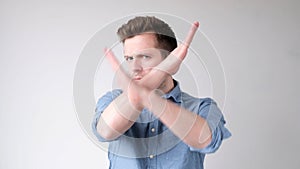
[149, 144]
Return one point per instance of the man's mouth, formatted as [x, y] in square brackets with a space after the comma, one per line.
[137, 78]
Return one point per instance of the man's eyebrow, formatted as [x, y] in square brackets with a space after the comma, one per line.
[144, 53]
[138, 54]
[127, 56]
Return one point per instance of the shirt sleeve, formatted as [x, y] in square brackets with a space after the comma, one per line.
[101, 105]
[209, 110]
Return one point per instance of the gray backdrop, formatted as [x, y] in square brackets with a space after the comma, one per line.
[41, 44]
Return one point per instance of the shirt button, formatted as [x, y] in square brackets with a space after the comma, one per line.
[151, 156]
[153, 130]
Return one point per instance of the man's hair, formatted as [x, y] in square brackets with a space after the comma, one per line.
[149, 24]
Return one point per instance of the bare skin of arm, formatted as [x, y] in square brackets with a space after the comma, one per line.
[191, 128]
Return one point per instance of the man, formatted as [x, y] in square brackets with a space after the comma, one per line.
[150, 122]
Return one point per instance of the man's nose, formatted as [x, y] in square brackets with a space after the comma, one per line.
[137, 65]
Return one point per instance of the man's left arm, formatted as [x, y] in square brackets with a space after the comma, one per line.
[188, 126]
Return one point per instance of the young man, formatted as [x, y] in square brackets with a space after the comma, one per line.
[150, 122]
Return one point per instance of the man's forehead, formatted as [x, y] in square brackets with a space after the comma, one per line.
[147, 51]
[140, 43]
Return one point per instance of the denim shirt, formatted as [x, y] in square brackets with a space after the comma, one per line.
[149, 144]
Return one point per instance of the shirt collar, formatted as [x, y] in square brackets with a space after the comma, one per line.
[175, 93]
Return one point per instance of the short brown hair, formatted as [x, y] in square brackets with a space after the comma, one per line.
[144, 24]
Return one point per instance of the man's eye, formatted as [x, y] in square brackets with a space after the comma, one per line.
[129, 58]
[146, 57]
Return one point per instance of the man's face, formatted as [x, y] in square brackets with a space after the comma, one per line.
[141, 54]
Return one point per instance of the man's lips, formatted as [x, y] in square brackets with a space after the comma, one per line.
[137, 78]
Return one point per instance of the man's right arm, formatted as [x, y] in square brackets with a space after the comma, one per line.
[117, 118]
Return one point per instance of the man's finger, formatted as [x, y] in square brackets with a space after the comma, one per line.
[191, 34]
[121, 76]
[112, 59]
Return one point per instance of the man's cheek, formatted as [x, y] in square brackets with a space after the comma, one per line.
[147, 70]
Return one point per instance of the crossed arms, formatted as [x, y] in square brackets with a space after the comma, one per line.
[123, 111]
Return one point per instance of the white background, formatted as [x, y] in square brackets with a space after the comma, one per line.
[41, 41]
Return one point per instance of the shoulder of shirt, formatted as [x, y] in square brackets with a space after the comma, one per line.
[201, 101]
[109, 96]
[114, 93]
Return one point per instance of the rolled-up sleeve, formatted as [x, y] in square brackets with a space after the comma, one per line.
[209, 110]
[101, 105]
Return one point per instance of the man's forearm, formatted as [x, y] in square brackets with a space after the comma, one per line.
[117, 118]
[120, 115]
[153, 79]
[188, 126]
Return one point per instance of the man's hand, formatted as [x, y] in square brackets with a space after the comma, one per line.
[129, 87]
[172, 63]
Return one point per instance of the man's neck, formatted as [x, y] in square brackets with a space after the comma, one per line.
[167, 85]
